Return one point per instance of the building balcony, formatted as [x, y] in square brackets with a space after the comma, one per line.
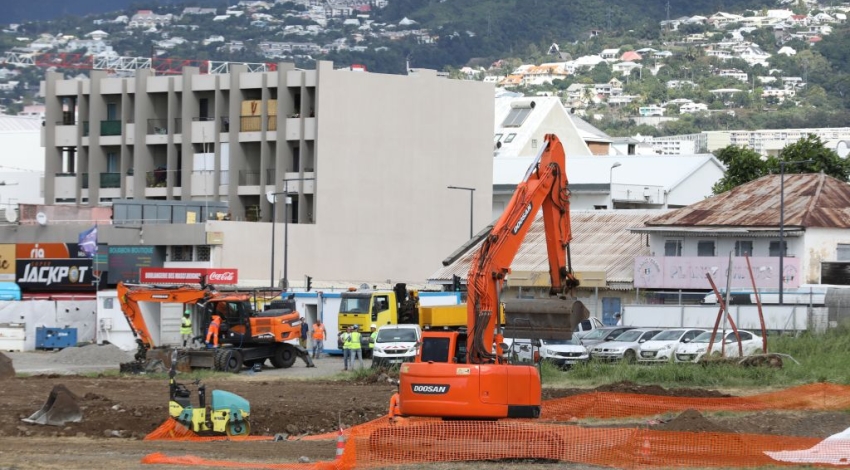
[249, 178]
[110, 180]
[250, 123]
[157, 131]
[689, 272]
[270, 176]
[203, 130]
[110, 127]
[156, 179]
[84, 180]
[65, 135]
[65, 186]
[225, 124]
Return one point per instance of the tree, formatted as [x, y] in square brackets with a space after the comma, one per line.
[812, 148]
[742, 166]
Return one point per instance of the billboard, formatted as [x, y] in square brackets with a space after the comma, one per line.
[53, 267]
[126, 261]
[688, 272]
[7, 262]
[227, 276]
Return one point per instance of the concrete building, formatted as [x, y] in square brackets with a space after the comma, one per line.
[769, 142]
[362, 159]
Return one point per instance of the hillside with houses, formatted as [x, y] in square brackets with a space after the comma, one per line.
[750, 68]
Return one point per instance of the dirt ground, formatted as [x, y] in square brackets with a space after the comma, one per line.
[131, 407]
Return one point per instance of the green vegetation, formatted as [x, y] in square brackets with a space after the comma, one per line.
[744, 165]
[822, 358]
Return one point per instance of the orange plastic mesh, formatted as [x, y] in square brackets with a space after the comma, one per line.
[381, 443]
[171, 430]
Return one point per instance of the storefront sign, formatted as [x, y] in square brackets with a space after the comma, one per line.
[688, 272]
[126, 261]
[188, 275]
[7, 263]
[53, 267]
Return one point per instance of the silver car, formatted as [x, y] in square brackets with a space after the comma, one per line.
[663, 346]
[624, 347]
[600, 335]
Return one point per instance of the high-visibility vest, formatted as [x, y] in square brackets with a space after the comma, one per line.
[319, 333]
[186, 326]
[372, 338]
[216, 320]
[353, 341]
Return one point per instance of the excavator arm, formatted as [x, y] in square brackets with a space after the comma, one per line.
[129, 296]
[544, 187]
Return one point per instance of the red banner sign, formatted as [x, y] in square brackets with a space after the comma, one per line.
[188, 275]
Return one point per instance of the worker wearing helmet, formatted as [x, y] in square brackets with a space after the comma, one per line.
[186, 326]
[212, 331]
[372, 337]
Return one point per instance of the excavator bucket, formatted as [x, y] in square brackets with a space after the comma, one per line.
[543, 318]
[60, 408]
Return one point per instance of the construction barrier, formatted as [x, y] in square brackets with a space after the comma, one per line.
[557, 437]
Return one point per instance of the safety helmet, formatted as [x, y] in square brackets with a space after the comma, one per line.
[187, 312]
[373, 326]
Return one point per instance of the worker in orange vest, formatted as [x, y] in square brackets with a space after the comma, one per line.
[318, 339]
[212, 331]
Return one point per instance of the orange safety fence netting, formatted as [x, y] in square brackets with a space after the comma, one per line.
[171, 430]
[382, 443]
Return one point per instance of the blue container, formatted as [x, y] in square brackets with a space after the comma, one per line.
[55, 338]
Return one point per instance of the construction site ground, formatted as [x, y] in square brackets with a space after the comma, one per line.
[119, 411]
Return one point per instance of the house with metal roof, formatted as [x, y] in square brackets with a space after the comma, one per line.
[805, 229]
[602, 251]
[620, 182]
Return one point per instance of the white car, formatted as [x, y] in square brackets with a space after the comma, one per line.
[693, 351]
[563, 353]
[625, 346]
[663, 346]
[395, 344]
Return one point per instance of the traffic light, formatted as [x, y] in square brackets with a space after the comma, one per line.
[455, 283]
[309, 283]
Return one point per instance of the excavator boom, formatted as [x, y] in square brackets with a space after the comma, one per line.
[457, 377]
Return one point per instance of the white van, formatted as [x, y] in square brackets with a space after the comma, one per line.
[395, 344]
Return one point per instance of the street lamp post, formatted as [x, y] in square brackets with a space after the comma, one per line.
[271, 196]
[611, 182]
[286, 230]
[782, 224]
[471, 193]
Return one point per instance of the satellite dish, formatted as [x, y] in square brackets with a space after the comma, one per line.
[41, 218]
[270, 197]
[11, 216]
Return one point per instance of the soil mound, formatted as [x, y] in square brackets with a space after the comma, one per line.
[7, 370]
[92, 354]
[631, 387]
[691, 421]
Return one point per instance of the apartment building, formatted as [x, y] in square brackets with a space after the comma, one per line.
[770, 141]
[358, 161]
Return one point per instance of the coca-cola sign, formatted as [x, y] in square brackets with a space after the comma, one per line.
[227, 276]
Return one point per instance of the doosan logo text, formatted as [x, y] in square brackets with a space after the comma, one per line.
[430, 389]
[522, 218]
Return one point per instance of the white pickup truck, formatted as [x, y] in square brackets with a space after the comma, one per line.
[395, 344]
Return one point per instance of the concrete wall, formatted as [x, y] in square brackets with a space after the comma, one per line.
[79, 314]
[821, 244]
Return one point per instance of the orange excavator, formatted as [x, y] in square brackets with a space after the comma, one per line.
[247, 337]
[456, 378]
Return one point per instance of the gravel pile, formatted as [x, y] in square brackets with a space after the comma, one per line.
[92, 354]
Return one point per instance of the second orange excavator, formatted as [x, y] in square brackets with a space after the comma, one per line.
[471, 378]
[248, 337]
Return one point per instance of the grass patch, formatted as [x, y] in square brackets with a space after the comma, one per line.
[822, 358]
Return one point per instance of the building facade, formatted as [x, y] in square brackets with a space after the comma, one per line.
[357, 164]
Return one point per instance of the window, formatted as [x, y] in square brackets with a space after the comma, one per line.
[516, 117]
[510, 138]
[843, 253]
[774, 249]
[112, 162]
[744, 248]
[497, 137]
[203, 253]
[534, 143]
[107, 303]
[705, 248]
[673, 248]
[181, 253]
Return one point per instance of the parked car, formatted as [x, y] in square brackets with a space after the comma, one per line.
[663, 346]
[563, 353]
[693, 351]
[395, 344]
[522, 351]
[600, 335]
[625, 346]
[586, 326]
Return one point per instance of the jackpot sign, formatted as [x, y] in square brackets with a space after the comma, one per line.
[56, 267]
